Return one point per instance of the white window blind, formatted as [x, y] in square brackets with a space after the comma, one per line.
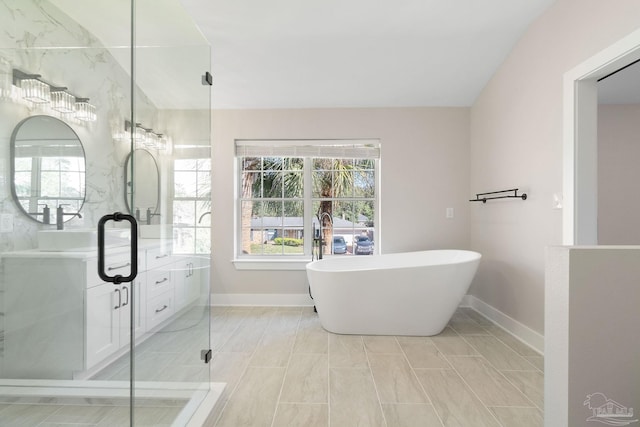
[337, 149]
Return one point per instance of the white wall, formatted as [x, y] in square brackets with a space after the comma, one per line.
[424, 170]
[516, 141]
[592, 298]
[618, 174]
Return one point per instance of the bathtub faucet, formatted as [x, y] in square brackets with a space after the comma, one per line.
[321, 217]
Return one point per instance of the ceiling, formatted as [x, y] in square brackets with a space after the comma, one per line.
[320, 53]
[357, 53]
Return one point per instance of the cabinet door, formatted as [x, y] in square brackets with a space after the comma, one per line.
[181, 273]
[186, 282]
[103, 322]
[194, 286]
[129, 301]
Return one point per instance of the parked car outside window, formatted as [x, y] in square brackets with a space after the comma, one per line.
[363, 246]
[339, 245]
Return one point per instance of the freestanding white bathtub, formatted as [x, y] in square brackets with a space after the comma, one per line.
[412, 293]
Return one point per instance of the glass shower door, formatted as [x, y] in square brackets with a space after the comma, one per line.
[170, 194]
[91, 125]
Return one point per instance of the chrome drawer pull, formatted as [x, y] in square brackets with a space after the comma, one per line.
[118, 267]
[162, 256]
[119, 299]
[161, 281]
[158, 310]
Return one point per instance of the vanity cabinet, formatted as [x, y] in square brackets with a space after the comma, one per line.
[102, 322]
[160, 304]
[108, 317]
[188, 279]
[63, 322]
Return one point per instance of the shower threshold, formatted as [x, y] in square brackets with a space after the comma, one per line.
[192, 401]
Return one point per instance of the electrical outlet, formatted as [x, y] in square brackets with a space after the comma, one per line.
[6, 223]
[449, 213]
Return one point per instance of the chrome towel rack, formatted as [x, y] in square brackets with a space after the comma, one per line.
[481, 197]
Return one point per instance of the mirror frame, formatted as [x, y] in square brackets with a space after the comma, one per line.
[128, 185]
[12, 154]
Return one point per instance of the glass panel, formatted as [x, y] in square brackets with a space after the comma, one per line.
[322, 181]
[175, 103]
[185, 184]
[89, 330]
[364, 182]
[272, 213]
[272, 184]
[293, 226]
[293, 185]
[251, 185]
[77, 328]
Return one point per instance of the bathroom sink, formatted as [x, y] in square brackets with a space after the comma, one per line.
[79, 239]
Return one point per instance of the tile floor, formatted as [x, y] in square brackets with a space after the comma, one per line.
[283, 369]
[170, 355]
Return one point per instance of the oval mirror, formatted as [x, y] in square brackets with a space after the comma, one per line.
[47, 169]
[143, 191]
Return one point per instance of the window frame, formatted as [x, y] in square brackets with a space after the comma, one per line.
[195, 199]
[308, 150]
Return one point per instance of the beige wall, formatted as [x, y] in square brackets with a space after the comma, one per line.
[424, 170]
[435, 158]
[516, 141]
[618, 174]
[592, 295]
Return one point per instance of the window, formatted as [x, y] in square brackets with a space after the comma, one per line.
[290, 190]
[60, 178]
[192, 206]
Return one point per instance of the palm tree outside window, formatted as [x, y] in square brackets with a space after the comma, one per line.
[287, 189]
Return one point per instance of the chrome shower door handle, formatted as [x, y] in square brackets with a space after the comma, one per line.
[117, 279]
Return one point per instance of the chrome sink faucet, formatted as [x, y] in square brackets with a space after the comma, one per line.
[203, 215]
[60, 214]
[150, 215]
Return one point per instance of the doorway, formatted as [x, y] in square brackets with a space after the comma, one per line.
[580, 139]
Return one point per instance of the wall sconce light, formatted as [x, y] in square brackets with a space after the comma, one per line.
[36, 90]
[152, 139]
[140, 134]
[62, 101]
[146, 137]
[162, 142]
[85, 111]
[33, 89]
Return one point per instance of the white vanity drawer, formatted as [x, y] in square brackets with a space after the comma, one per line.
[157, 257]
[159, 281]
[119, 263]
[159, 309]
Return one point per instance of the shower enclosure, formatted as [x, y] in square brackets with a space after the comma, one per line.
[104, 121]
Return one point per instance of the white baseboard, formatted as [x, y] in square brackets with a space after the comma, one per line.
[281, 300]
[525, 334]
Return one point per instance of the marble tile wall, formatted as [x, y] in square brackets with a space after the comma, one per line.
[38, 38]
